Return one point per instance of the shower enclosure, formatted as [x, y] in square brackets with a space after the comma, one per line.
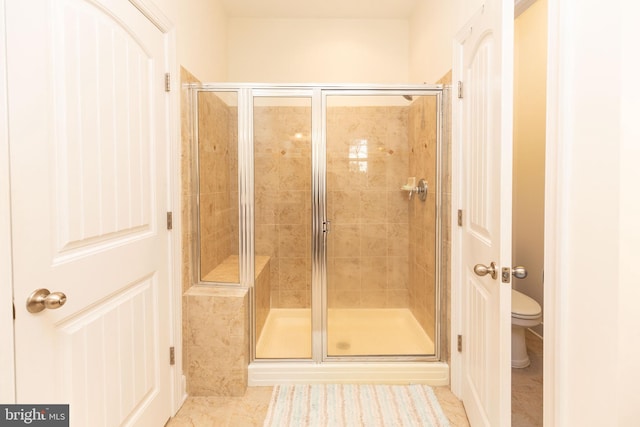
[310, 197]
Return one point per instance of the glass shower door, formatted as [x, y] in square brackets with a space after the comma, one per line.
[282, 187]
[381, 250]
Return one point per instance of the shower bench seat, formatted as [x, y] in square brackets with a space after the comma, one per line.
[218, 315]
[228, 271]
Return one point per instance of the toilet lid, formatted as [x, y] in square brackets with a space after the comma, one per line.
[523, 306]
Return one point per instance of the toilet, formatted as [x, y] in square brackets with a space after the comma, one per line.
[525, 313]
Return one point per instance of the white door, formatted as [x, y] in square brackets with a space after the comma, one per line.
[87, 117]
[484, 112]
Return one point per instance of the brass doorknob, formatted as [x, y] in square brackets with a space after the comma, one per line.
[42, 298]
[483, 270]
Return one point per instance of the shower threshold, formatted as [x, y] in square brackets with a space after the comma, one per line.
[308, 372]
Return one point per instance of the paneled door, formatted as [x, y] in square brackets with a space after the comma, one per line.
[484, 106]
[88, 140]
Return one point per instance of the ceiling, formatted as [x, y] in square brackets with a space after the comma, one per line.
[336, 9]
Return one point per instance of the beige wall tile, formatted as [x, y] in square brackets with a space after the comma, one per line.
[295, 273]
[295, 299]
[344, 240]
[217, 340]
[344, 273]
[373, 206]
[374, 239]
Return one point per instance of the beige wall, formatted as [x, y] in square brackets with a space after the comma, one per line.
[433, 27]
[201, 36]
[629, 212]
[318, 50]
[463, 11]
[336, 50]
[430, 41]
[529, 128]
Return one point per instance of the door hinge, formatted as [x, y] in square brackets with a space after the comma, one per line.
[169, 220]
[459, 343]
[460, 217]
[459, 90]
[172, 356]
[167, 82]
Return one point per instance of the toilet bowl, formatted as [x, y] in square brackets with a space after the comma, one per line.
[525, 313]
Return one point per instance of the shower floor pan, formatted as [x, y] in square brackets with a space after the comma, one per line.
[351, 332]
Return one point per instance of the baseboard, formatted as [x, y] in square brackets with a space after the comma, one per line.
[184, 389]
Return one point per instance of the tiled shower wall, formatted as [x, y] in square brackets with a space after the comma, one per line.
[422, 214]
[382, 246]
[218, 168]
[367, 162]
[282, 158]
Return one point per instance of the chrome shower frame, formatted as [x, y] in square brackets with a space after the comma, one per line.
[265, 371]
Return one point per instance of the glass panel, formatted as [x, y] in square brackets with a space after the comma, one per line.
[282, 162]
[381, 255]
[217, 150]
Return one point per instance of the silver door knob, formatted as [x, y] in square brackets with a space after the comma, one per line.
[42, 298]
[519, 272]
[483, 270]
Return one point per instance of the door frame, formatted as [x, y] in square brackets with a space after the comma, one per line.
[555, 216]
[7, 358]
[8, 378]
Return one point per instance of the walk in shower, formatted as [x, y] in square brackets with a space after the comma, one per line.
[326, 203]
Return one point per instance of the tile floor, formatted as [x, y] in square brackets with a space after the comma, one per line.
[526, 388]
[251, 409]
